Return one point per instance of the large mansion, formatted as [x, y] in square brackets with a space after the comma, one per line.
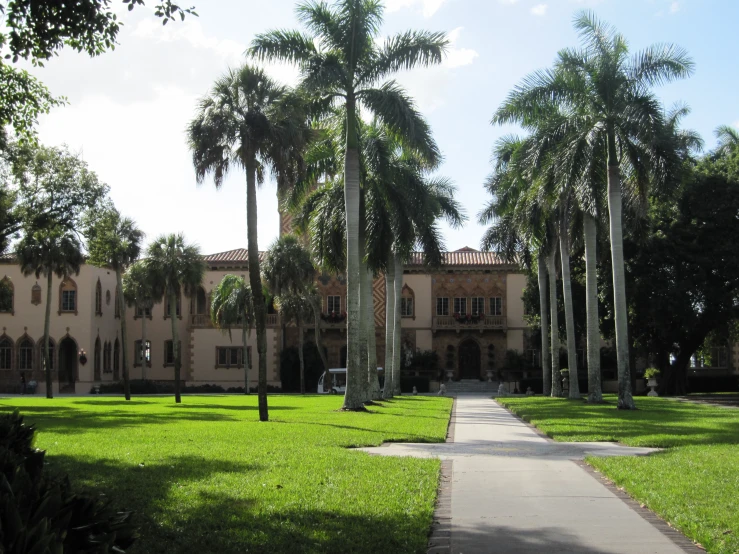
[86, 341]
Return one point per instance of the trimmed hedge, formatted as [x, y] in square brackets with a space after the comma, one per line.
[154, 387]
[40, 513]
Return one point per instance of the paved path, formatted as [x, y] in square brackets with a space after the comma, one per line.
[515, 491]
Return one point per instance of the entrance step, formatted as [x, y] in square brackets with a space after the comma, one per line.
[471, 385]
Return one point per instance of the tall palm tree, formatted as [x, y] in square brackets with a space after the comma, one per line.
[601, 82]
[175, 268]
[49, 252]
[297, 308]
[114, 241]
[250, 121]
[342, 64]
[138, 292]
[288, 269]
[231, 307]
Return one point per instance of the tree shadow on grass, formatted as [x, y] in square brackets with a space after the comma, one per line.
[79, 421]
[211, 521]
[655, 423]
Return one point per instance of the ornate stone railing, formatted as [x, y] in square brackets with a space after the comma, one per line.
[483, 323]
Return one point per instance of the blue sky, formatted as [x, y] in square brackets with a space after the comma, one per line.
[128, 109]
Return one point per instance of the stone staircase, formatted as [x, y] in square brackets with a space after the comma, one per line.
[471, 386]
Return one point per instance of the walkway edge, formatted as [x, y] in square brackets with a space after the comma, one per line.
[440, 537]
[680, 540]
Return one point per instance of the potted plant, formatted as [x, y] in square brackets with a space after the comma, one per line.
[651, 374]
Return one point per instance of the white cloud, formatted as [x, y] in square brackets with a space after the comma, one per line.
[675, 7]
[539, 9]
[428, 85]
[509, 2]
[736, 124]
[429, 7]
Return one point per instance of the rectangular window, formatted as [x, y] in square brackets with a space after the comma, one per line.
[69, 300]
[460, 306]
[533, 358]
[478, 305]
[25, 357]
[442, 306]
[140, 311]
[496, 305]
[178, 307]
[333, 304]
[138, 352]
[406, 307]
[169, 352]
[230, 356]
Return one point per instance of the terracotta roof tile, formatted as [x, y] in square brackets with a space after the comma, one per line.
[463, 257]
[240, 255]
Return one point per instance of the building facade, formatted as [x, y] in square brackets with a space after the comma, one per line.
[469, 311]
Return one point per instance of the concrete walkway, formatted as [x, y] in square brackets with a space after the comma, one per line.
[515, 491]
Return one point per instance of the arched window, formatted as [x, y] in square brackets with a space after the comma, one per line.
[68, 297]
[7, 296]
[25, 353]
[97, 360]
[36, 294]
[117, 307]
[105, 357]
[116, 360]
[98, 298]
[52, 349]
[199, 302]
[408, 302]
[6, 352]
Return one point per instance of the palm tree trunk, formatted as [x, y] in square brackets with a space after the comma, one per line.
[397, 323]
[543, 313]
[554, 336]
[353, 398]
[175, 345]
[245, 356]
[143, 345]
[362, 339]
[317, 328]
[124, 336]
[564, 252]
[372, 377]
[47, 323]
[388, 390]
[625, 399]
[255, 281]
[301, 357]
[595, 393]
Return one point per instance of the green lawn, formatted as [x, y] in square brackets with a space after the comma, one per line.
[693, 484]
[205, 476]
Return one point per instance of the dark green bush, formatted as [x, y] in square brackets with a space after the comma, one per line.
[40, 513]
[407, 384]
[290, 368]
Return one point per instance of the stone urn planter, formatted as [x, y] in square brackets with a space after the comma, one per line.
[650, 374]
[489, 375]
[449, 374]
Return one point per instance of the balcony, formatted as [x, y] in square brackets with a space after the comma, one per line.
[483, 323]
[202, 321]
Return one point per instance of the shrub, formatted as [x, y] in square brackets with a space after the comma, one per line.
[39, 513]
[407, 384]
[651, 373]
[290, 368]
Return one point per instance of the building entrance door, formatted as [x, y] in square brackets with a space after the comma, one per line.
[469, 360]
[67, 365]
